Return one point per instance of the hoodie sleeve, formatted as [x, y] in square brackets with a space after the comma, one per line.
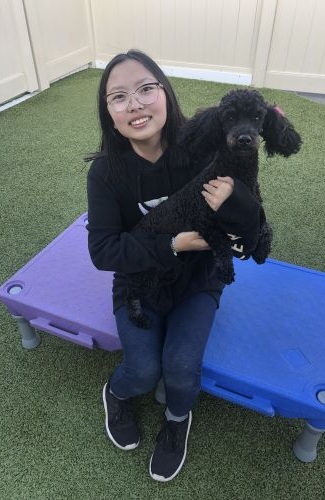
[111, 247]
[241, 217]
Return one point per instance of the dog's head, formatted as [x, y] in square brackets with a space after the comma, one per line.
[237, 125]
[241, 114]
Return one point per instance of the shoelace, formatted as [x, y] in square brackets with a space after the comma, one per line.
[170, 437]
[122, 412]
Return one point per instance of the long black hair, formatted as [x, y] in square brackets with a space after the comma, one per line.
[112, 142]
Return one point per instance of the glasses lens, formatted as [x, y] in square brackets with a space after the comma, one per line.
[146, 94]
[118, 101]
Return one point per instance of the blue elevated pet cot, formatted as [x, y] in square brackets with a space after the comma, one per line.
[266, 350]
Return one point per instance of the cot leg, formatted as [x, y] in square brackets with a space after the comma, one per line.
[160, 394]
[30, 339]
[305, 447]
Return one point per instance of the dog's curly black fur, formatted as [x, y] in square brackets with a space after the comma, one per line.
[225, 140]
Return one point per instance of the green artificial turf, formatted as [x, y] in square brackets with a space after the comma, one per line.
[52, 443]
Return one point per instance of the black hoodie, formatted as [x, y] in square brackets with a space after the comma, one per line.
[114, 209]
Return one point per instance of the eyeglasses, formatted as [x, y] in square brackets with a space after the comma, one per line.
[145, 94]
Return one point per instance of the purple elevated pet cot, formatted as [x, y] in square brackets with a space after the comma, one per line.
[266, 350]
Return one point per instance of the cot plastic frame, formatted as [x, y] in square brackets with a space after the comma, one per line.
[266, 350]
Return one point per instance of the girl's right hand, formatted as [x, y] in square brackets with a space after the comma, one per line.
[217, 191]
[189, 241]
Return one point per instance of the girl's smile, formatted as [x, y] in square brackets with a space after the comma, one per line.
[139, 122]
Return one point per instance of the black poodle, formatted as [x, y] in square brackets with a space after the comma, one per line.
[225, 140]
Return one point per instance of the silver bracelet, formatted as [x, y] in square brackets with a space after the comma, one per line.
[172, 246]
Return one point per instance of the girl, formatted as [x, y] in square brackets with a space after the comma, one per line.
[137, 167]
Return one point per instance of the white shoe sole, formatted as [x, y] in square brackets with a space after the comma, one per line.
[165, 479]
[128, 446]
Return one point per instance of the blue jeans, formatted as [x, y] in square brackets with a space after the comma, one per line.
[173, 349]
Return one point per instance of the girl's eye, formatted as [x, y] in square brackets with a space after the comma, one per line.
[118, 98]
[146, 89]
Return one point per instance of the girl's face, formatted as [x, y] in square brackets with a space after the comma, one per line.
[140, 123]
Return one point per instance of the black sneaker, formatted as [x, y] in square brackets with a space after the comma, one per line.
[120, 425]
[170, 451]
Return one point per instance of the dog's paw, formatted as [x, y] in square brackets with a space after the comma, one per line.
[224, 269]
[136, 314]
[140, 320]
[263, 248]
[226, 278]
[226, 275]
[259, 259]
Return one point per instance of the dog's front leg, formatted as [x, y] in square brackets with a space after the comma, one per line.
[263, 248]
[222, 253]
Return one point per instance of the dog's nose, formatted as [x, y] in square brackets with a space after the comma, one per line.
[244, 140]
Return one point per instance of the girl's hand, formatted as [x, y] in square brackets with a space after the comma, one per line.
[217, 191]
[189, 241]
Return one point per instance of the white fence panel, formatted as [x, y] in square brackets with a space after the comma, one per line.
[297, 52]
[17, 71]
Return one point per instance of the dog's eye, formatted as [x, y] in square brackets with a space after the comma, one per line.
[257, 118]
[230, 118]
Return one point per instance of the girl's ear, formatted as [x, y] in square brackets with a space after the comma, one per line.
[201, 134]
[279, 134]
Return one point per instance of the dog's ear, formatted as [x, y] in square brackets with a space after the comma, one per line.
[279, 134]
[201, 134]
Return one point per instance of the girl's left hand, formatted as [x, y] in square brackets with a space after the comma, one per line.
[217, 191]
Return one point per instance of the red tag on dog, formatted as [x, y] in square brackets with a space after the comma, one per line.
[279, 110]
